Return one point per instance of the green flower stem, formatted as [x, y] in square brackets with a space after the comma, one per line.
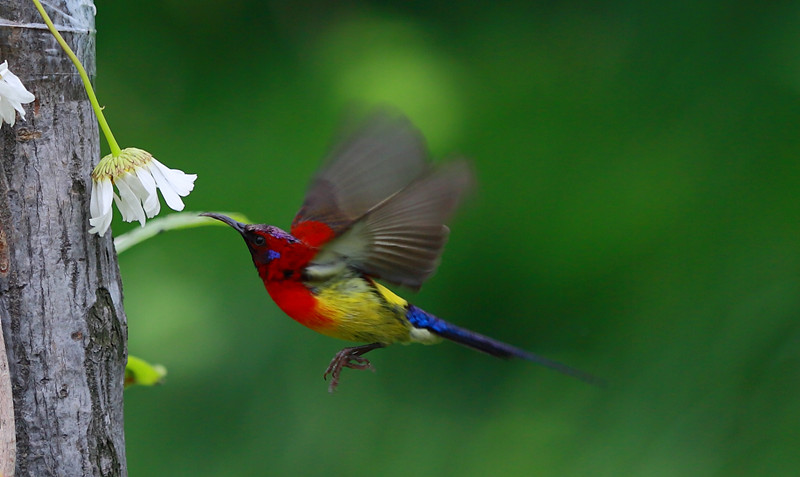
[112, 143]
[153, 227]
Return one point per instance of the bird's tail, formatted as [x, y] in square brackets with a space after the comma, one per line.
[422, 319]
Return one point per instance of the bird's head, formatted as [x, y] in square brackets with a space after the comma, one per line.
[276, 254]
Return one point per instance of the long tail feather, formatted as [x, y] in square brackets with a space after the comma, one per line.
[422, 319]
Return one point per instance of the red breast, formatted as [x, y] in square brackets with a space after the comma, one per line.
[297, 301]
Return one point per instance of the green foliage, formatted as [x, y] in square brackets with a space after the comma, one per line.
[637, 217]
[140, 372]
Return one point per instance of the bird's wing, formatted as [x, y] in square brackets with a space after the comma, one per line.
[401, 239]
[379, 206]
[383, 156]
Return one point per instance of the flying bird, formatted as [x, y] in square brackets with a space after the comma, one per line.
[376, 210]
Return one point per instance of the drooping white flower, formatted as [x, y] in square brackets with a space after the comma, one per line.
[137, 175]
[12, 95]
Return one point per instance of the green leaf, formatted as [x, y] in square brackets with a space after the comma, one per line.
[139, 371]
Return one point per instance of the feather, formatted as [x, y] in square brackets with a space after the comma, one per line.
[422, 320]
[384, 155]
[401, 239]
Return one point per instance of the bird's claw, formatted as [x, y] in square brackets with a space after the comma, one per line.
[348, 358]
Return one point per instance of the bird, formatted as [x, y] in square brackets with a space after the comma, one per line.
[376, 211]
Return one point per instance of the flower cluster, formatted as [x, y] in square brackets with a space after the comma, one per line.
[12, 95]
[137, 175]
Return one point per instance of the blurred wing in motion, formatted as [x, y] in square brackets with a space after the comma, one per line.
[378, 206]
[383, 156]
[401, 239]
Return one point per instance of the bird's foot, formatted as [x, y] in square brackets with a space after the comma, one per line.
[349, 358]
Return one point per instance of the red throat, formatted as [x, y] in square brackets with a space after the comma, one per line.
[290, 257]
[282, 277]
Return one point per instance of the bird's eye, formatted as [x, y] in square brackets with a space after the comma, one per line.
[259, 240]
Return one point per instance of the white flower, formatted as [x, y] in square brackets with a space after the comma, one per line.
[12, 95]
[137, 175]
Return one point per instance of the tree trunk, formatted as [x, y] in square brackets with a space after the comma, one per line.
[60, 294]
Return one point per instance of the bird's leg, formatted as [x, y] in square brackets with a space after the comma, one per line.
[349, 358]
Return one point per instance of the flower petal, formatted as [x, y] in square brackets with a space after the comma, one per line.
[12, 95]
[101, 223]
[171, 197]
[14, 91]
[100, 207]
[129, 204]
[151, 205]
[7, 111]
[182, 183]
[94, 202]
[139, 189]
[102, 192]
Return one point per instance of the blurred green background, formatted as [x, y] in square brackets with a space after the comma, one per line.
[637, 217]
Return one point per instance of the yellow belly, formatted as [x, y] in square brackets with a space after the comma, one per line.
[363, 311]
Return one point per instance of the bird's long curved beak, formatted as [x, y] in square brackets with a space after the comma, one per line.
[238, 226]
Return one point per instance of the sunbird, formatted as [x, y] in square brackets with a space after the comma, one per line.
[375, 211]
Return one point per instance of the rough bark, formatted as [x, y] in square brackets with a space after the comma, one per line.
[8, 441]
[60, 294]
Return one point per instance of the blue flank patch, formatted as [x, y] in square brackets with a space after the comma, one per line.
[272, 255]
[422, 319]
